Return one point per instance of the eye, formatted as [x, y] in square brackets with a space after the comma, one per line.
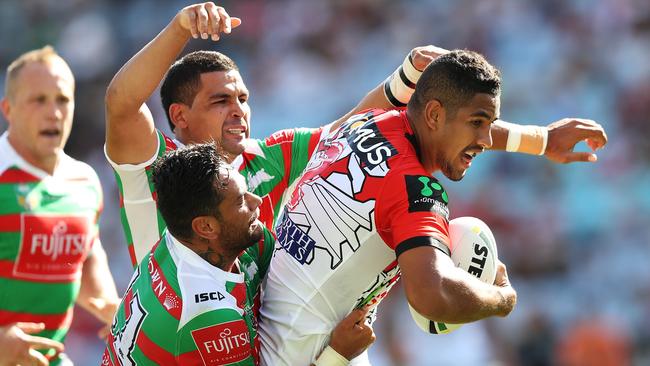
[477, 123]
[243, 98]
[40, 99]
[62, 99]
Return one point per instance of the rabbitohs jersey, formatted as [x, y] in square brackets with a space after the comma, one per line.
[48, 224]
[269, 166]
[181, 310]
[363, 199]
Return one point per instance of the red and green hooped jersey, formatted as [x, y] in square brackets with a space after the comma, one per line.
[270, 167]
[48, 225]
[180, 310]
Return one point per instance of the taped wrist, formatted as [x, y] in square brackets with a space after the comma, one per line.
[329, 357]
[526, 139]
[400, 85]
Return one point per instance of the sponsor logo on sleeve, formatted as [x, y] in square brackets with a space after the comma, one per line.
[426, 194]
[52, 247]
[223, 344]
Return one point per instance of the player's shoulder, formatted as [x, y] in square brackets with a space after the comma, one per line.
[77, 170]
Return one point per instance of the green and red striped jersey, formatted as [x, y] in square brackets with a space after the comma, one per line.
[48, 225]
[270, 167]
[181, 310]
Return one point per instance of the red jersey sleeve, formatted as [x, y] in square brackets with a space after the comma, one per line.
[412, 211]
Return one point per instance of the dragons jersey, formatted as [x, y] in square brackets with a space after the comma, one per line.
[181, 310]
[269, 166]
[363, 199]
[48, 224]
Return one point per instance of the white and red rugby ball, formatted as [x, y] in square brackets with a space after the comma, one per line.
[474, 249]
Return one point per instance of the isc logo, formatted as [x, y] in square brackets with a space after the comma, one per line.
[205, 296]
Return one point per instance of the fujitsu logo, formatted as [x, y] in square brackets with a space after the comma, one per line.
[59, 242]
[227, 341]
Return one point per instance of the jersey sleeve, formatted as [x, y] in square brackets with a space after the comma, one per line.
[142, 223]
[413, 212]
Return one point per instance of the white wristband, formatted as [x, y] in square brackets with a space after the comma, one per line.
[544, 132]
[400, 85]
[329, 357]
[514, 138]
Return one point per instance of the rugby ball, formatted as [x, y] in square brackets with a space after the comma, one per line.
[474, 249]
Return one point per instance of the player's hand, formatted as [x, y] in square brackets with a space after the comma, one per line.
[563, 135]
[104, 310]
[507, 291]
[20, 348]
[352, 335]
[422, 56]
[206, 20]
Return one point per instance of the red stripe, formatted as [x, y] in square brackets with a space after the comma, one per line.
[163, 291]
[190, 358]
[153, 351]
[52, 321]
[127, 301]
[313, 141]
[134, 259]
[110, 349]
[7, 271]
[14, 175]
[9, 223]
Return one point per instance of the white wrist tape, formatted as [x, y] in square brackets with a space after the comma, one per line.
[526, 139]
[329, 357]
[400, 85]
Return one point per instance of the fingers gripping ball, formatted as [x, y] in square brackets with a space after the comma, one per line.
[474, 249]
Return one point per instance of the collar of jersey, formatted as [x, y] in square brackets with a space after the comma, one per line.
[187, 260]
[11, 157]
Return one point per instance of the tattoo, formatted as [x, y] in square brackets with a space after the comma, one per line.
[212, 257]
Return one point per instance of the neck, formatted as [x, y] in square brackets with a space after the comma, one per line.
[47, 164]
[425, 153]
[211, 253]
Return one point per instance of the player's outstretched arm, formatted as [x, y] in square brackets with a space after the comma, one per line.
[555, 141]
[130, 131]
[351, 337]
[20, 348]
[397, 89]
[440, 291]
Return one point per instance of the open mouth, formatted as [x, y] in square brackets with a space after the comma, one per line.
[50, 132]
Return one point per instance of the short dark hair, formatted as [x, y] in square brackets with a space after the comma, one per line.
[453, 79]
[183, 78]
[188, 184]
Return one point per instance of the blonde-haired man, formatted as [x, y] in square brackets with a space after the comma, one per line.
[50, 253]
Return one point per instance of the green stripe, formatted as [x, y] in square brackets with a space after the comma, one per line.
[9, 199]
[8, 251]
[140, 358]
[299, 152]
[37, 298]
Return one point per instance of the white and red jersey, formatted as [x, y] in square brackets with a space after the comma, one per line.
[363, 199]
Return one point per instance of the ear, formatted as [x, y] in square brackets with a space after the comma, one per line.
[434, 114]
[207, 227]
[177, 114]
[4, 105]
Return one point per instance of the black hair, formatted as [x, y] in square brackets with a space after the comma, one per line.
[183, 78]
[188, 183]
[453, 79]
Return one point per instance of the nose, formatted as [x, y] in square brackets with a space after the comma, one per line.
[239, 109]
[54, 111]
[254, 201]
[485, 137]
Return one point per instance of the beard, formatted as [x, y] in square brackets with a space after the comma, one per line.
[241, 239]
